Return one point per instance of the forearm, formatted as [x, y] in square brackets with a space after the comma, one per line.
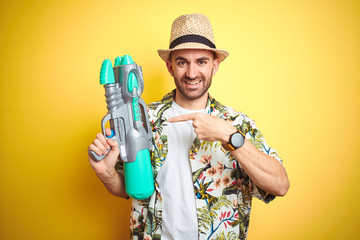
[105, 169]
[114, 182]
[265, 171]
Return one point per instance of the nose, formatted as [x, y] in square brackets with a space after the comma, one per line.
[191, 71]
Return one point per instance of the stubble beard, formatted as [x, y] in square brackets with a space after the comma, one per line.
[190, 95]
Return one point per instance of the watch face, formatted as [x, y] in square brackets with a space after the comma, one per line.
[237, 140]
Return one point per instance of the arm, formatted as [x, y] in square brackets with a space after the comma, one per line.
[105, 169]
[265, 171]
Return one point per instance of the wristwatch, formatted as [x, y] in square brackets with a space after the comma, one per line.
[237, 140]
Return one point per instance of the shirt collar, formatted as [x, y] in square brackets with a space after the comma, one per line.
[167, 100]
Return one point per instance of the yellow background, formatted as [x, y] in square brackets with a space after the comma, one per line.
[293, 67]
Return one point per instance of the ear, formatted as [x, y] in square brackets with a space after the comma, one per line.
[169, 67]
[216, 64]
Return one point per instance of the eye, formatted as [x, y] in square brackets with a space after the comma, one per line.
[202, 62]
[181, 63]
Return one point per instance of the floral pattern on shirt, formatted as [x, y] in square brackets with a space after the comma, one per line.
[223, 190]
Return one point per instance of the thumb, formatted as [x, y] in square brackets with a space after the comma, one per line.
[114, 147]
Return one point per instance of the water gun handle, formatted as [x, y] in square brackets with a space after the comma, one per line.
[93, 154]
[96, 157]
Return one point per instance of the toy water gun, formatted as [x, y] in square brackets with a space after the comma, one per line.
[129, 123]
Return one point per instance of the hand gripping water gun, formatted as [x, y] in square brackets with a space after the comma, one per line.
[129, 123]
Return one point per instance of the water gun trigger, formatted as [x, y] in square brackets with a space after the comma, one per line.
[112, 134]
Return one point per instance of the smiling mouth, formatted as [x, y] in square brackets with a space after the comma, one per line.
[193, 82]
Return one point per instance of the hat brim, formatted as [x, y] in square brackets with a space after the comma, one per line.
[165, 53]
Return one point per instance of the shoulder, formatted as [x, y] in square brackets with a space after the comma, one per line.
[157, 110]
[226, 112]
[237, 118]
[159, 107]
[153, 106]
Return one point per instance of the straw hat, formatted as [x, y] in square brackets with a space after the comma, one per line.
[192, 31]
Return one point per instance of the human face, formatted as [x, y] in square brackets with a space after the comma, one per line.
[192, 70]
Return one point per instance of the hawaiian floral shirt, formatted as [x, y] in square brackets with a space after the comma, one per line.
[223, 190]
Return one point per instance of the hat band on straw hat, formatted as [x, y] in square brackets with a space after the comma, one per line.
[191, 38]
[192, 31]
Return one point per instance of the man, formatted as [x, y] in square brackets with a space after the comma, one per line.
[208, 160]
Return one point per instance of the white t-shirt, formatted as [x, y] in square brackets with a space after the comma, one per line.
[179, 218]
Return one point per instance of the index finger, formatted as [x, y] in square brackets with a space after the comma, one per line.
[183, 118]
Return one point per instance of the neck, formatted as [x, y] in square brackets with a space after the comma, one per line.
[195, 104]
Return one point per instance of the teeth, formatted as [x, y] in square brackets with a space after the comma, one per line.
[193, 83]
